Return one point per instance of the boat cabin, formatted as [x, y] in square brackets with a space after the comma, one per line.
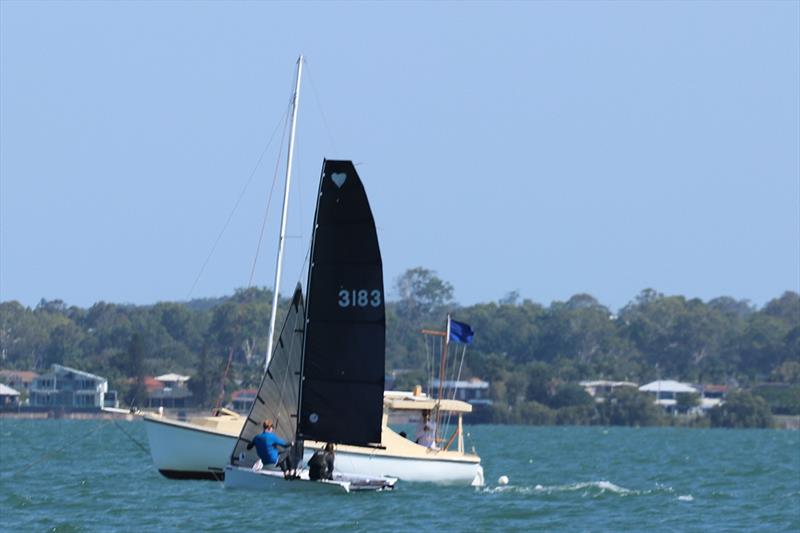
[418, 404]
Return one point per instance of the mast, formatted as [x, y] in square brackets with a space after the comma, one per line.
[282, 237]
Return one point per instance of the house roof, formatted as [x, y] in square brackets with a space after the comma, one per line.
[62, 368]
[5, 390]
[667, 385]
[23, 375]
[606, 383]
[173, 377]
[474, 383]
[151, 383]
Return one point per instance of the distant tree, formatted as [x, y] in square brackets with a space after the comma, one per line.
[422, 292]
[762, 344]
[629, 407]
[786, 308]
[64, 346]
[201, 383]
[510, 298]
[739, 309]
[742, 410]
[781, 398]
[540, 383]
[136, 370]
[788, 372]
[52, 306]
[579, 329]
[534, 413]
[577, 415]
[24, 335]
[571, 395]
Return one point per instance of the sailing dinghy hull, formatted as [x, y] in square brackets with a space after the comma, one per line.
[271, 480]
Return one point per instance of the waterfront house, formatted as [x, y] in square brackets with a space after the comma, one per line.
[9, 398]
[18, 379]
[474, 391]
[168, 390]
[68, 388]
[600, 389]
[242, 400]
[666, 391]
[712, 395]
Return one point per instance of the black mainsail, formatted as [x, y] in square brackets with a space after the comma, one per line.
[341, 398]
[277, 396]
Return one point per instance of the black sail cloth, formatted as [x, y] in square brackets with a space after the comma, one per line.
[343, 362]
[277, 396]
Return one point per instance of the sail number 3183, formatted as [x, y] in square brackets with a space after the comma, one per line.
[360, 298]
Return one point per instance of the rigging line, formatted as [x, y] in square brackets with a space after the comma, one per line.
[233, 211]
[451, 374]
[224, 377]
[428, 352]
[269, 200]
[319, 106]
[303, 266]
[460, 368]
[435, 352]
[136, 442]
[458, 377]
[49, 455]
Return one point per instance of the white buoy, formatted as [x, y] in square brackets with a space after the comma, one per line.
[502, 480]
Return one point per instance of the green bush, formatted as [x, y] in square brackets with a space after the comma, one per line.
[742, 410]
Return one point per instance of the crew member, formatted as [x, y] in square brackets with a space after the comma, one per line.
[320, 466]
[267, 443]
[426, 431]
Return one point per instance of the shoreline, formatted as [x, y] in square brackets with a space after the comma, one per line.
[782, 422]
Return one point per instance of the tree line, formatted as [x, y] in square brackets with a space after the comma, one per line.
[533, 355]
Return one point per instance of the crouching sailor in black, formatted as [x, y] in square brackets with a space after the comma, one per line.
[320, 466]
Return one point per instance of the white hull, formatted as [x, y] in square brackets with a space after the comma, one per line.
[181, 451]
[188, 451]
[269, 480]
[409, 468]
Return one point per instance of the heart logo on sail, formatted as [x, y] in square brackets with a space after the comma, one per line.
[338, 178]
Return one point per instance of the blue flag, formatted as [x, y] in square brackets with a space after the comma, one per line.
[461, 332]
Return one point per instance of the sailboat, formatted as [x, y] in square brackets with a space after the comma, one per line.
[200, 448]
[326, 378]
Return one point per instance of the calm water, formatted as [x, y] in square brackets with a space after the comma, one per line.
[575, 479]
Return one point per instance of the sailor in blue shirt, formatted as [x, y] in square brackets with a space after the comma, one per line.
[267, 444]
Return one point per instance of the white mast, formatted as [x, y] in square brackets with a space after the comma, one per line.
[282, 237]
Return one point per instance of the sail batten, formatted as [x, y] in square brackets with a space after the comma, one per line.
[344, 349]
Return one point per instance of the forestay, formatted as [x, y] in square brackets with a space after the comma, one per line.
[343, 361]
[277, 396]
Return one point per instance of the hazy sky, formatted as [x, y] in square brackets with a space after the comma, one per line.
[549, 148]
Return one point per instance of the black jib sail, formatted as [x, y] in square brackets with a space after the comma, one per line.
[277, 396]
[343, 362]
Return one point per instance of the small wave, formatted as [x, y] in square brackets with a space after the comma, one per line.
[685, 498]
[591, 487]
